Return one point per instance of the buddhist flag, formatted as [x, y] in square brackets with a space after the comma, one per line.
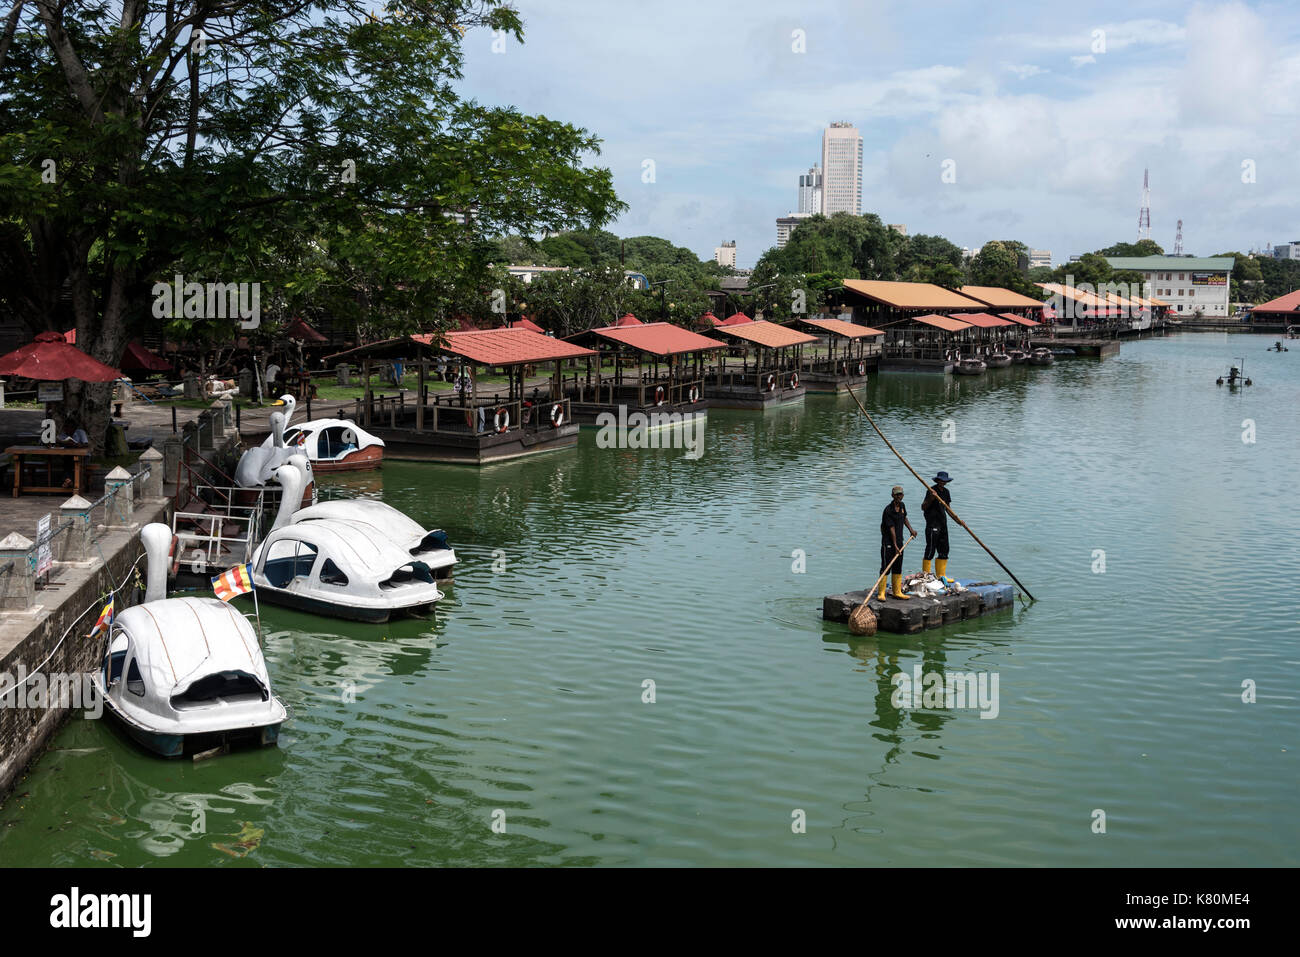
[105, 619]
[233, 583]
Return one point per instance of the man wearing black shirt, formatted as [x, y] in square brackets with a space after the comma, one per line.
[891, 542]
[936, 524]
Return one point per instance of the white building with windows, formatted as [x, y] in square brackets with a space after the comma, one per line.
[841, 170]
[785, 226]
[725, 255]
[1190, 284]
[1289, 250]
[1040, 257]
[810, 191]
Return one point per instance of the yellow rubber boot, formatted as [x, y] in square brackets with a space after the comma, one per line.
[925, 565]
[883, 586]
[941, 566]
[898, 586]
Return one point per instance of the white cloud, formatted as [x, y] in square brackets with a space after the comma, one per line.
[1024, 71]
[1081, 60]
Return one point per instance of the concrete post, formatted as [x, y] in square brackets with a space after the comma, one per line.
[2, 393]
[204, 426]
[152, 487]
[191, 386]
[343, 373]
[76, 540]
[18, 585]
[171, 457]
[217, 415]
[122, 505]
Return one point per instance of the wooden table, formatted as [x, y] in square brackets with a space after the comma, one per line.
[50, 453]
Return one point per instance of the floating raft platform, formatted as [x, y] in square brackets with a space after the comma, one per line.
[907, 616]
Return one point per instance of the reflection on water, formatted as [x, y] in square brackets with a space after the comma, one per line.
[588, 572]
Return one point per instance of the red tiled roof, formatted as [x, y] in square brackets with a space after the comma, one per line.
[765, 333]
[735, 319]
[998, 297]
[627, 319]
[526, 323]
[505, 347]
[946, 323]
[1288, 303]
[658, 338]
[1020, 319]
[838, 327]
[298, 329]
[982, 319]
[710, 319]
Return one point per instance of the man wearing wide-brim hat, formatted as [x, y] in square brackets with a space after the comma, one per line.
[936, 524]
[891, 541]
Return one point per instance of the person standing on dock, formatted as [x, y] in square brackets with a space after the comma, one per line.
[891, 542]
[936, 524]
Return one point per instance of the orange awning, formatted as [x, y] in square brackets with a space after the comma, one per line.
[945, 323]
[764, 333]
[847, 330]
[656, 338]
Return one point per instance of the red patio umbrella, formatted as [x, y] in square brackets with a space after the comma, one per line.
[51, 359]
[136, 358]
[735, 319]
[526, 323]
[298, 329]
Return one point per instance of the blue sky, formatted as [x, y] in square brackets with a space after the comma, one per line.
[1049, 113]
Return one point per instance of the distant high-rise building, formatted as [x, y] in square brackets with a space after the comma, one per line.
[726, 254]
[785, 226]
[1287, 250]
[841, 170]
[810, 190]
[1040, 257]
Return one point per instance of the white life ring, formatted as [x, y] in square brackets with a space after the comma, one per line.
[862, 367]
[771, 383]
[501, 421]
[794, 380]
[694, 394]
[659, 395]
[557, 415]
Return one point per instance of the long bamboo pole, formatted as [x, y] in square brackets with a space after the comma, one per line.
[945, 505]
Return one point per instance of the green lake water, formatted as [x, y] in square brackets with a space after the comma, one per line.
[1119, 691]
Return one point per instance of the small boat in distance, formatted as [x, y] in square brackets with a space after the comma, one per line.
[334, 445]
[969, 366]
[185, 675]
[1234, 376]
[1041, 356]
[1018, 356]
[998, 360]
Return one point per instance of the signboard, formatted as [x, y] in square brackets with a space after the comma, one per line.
[49, 392]
[1209, 279]
[44, 560]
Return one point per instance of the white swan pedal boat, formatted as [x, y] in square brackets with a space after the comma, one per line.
[184, 675]
[334, 445]
[341, 566]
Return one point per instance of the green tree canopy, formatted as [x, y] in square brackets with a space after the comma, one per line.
[313, 149]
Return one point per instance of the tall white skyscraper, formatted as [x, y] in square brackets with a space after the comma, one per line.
[725, 255]
[810, 191]
[841, 170]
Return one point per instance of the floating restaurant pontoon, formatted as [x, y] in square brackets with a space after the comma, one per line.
[658, 368]
[770, 379]
[852, 351]
[926, 343]
[471, 424]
